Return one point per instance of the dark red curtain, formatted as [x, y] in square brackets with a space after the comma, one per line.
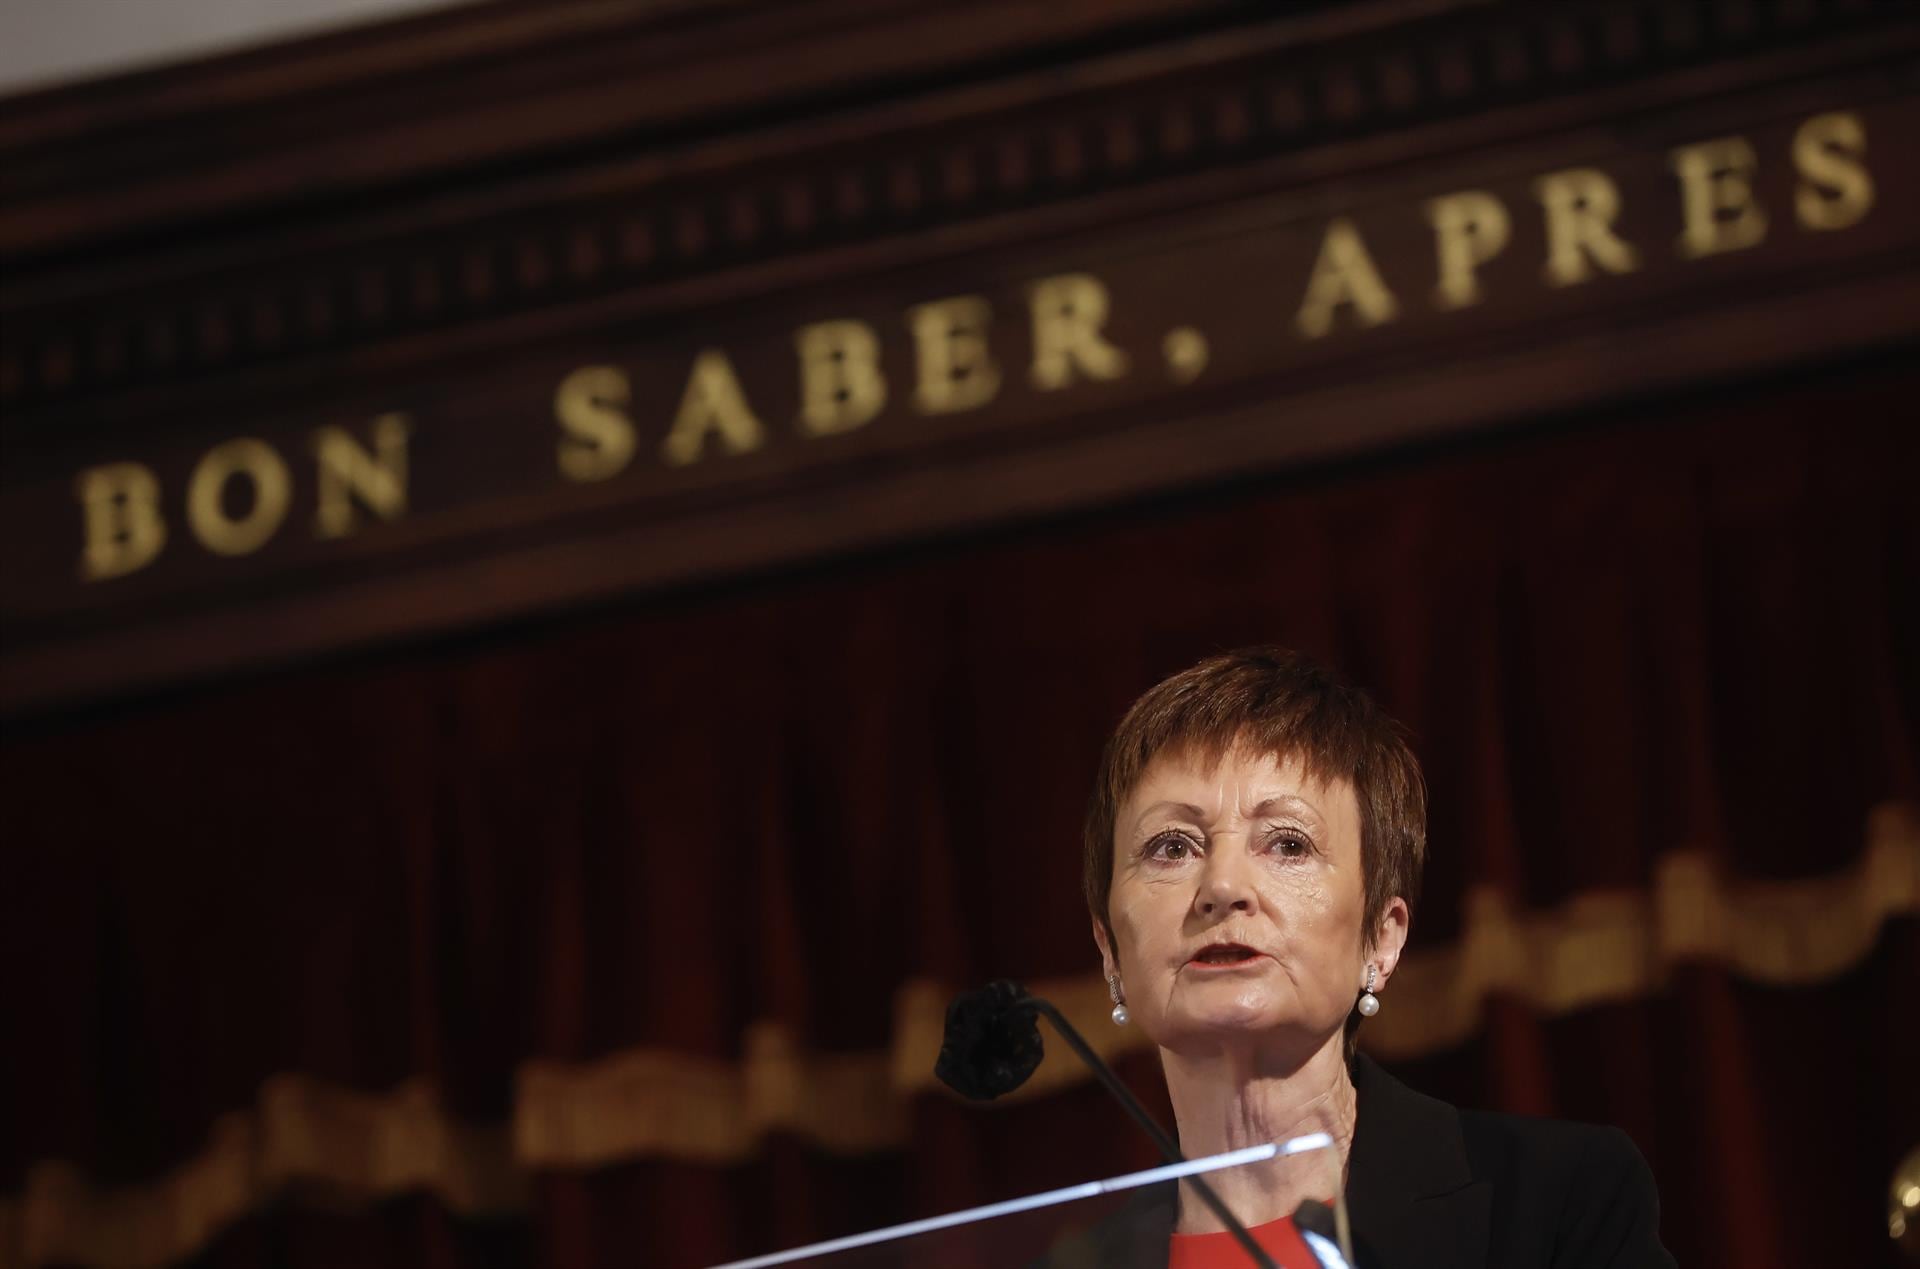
[1690, 627]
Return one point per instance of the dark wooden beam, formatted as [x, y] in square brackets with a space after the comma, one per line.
[172, 313]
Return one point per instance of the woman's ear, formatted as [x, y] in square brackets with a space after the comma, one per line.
[1389, 937]
[1109, 964]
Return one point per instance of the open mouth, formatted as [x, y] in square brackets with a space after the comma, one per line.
[1225, 954]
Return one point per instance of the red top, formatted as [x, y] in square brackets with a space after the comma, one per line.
[1278, 1239]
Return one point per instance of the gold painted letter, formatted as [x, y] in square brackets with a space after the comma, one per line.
[841, 386]
[378, 480]
[1716, 197]
[1344, 274]
[1581, 205]
[597, 437]
[1835, 189]
[957, 370]
[713, 403]
[121, 507]
[1469, 229]
[272, 491]
[1068, 312]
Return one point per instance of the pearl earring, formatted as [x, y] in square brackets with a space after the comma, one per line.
[1369, 1003]
[1119, 1004]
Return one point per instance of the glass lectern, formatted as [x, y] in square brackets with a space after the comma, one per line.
[1066, 1228]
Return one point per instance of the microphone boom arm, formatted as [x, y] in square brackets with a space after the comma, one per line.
[1168, 1147]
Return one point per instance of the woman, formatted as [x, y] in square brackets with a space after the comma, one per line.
[1254, 843]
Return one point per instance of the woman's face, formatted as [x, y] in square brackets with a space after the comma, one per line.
[1237, 903]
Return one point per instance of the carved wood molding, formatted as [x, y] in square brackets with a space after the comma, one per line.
[310, 280]
[282, 426]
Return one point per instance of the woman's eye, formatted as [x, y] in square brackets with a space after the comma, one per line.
[1171, 847]
[1291, 844]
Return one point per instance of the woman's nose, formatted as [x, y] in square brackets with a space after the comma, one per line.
[1225, 886]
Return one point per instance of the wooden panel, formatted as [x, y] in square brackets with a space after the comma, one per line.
[1185, 260]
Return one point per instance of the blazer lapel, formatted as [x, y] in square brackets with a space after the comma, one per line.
[1410, 1190]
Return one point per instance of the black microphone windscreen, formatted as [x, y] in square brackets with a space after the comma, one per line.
[992, 1042]
[1314, 1217]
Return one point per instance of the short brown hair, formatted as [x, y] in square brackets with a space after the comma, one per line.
[1275, 701]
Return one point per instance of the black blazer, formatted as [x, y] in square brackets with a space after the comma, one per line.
[1433, 1187]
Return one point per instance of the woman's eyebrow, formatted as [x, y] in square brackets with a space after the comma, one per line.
[1288, 801]
[1185, 809]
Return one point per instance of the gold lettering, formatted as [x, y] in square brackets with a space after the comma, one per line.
[1469, 229]
[1068, 312]
[841, 386]
[1343, 274]
[713, 403]
[1581, 204]
[597, 436]
[272, 491]
[1716, 197]
[957, 370]
[121, 520]
[1836, 189]
[349, 473]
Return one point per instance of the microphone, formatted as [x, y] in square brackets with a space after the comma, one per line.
[992, 1045]
[1319, 1227]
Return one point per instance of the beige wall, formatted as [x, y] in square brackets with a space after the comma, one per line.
[49, 42]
